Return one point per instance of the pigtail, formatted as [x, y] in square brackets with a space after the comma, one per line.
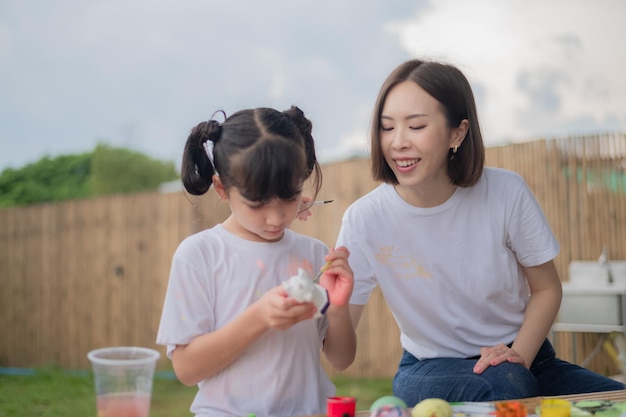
[305, 127]
[197, 168]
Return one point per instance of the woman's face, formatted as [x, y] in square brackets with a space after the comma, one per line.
[415, 138]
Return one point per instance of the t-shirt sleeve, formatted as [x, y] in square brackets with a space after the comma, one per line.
[530, 235]
[187, 311]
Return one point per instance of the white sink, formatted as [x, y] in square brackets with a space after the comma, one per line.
[589, 297]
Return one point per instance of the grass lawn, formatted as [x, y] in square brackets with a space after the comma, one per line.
[57, 393]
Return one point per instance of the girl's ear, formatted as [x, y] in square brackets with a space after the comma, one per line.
[219, 188]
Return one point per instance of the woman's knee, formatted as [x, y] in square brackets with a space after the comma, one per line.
[510, 381]
[505, 381]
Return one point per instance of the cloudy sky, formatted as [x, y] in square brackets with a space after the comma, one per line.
[140, 73]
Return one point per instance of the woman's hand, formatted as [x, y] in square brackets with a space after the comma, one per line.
[338, 278]
[495, 355]
[279, 311]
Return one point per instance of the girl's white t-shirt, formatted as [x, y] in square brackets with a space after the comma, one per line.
[450, 274]
[215, 275]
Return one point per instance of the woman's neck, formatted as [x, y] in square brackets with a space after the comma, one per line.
[426, 196]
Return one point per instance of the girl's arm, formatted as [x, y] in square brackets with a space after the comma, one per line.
[541, 311]
[346, 348]
[356, 311]
[209, 353]
[340, 341]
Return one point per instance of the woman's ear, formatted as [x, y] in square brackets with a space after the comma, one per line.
[459, 133]
[219, 188]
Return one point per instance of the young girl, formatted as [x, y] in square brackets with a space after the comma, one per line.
[463, 254]
[228, 323]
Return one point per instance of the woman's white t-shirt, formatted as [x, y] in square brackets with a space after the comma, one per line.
[450, 274]
[215, 275]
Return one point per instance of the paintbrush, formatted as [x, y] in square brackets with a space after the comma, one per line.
[319, 274]
[316, 203]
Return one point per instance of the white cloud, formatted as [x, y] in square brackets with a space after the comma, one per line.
[543, 66]
[140, 74]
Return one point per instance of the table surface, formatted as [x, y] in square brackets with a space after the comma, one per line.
[532, 403]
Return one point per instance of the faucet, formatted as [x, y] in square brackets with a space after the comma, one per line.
[603, 260]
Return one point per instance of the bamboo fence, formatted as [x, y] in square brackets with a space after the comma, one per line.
[84, 274]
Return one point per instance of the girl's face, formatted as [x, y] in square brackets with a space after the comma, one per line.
[415, 141]
[259, 222]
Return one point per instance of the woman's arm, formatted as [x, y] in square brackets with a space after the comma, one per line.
[545, 299]
[542, 308]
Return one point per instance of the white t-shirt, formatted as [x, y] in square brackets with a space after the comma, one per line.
[450, 273]
[216, 275]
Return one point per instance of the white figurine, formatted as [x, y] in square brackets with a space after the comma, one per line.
[301, 288]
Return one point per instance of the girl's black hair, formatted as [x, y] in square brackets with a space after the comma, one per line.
[262, 152]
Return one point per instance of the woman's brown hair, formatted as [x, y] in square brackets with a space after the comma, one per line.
[452, 90]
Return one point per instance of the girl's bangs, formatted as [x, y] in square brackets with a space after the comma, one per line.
[272, 169]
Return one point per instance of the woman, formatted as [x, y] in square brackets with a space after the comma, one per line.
[463, 253]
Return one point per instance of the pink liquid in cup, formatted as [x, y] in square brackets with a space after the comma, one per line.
[123, 380]
[123, 405]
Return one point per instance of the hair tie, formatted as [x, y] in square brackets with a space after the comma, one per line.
[222, 112]
[214, 128]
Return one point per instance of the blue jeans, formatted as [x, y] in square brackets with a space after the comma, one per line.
[452, 379]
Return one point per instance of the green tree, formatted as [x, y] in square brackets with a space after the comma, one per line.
[105, 170]
[47, 180]
[115, 170]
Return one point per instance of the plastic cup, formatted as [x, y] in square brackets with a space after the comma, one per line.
[340, 406]
[123, 379]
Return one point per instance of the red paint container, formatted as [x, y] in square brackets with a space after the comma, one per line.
[340, 406]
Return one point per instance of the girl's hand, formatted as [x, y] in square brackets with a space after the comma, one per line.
[304, 212]
[495, 355]
[279, 311]
[338, 278]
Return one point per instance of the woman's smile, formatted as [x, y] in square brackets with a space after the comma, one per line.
[406, 164]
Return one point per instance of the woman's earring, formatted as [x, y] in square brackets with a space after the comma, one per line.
[454, 149]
